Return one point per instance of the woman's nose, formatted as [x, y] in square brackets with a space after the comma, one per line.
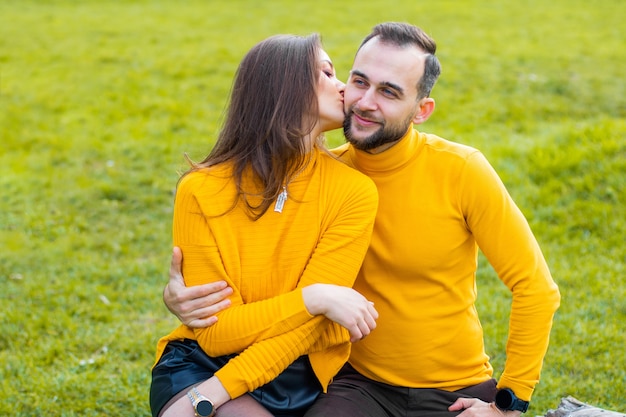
[341, 86]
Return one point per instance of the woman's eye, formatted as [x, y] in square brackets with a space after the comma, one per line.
[329, 74]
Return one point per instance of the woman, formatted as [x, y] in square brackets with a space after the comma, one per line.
[287, 226]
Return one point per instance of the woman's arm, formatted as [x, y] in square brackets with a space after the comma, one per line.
[197, 306]
[336, 259]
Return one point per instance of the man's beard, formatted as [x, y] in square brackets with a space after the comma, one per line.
[387, 133]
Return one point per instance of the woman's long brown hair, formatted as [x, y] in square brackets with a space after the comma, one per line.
[273, 106]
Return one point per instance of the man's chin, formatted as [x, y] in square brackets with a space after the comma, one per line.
[359, 136]
[358, 143]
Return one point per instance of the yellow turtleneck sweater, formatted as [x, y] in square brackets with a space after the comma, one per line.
[438, 203]
[321, 236]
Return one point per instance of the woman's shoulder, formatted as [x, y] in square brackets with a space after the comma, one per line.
[205, 180]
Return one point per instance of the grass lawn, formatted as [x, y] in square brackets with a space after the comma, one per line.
[99, 99]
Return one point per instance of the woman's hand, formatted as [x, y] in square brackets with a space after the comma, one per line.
[345, 306]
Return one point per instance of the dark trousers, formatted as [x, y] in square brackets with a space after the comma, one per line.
[353, 395]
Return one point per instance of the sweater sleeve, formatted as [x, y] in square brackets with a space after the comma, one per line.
[504, 236]
[273, 355]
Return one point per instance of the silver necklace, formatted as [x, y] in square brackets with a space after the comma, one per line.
[282, 197]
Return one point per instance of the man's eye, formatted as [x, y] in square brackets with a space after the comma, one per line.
[389, 93]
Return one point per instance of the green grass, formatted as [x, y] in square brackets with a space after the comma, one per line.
[100, 99]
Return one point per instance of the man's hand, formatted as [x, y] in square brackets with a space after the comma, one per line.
[194, 306]
[473, 407]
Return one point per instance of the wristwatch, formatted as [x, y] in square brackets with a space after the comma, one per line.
[201, 404]
[506, 400]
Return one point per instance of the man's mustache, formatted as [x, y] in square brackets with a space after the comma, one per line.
[363, 115]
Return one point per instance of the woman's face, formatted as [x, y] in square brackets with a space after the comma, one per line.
[329, 95]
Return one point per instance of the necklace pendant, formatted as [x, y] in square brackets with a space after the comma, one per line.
[280, 201]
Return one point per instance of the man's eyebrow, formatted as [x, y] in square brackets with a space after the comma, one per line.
[359, 74]
[396, 87]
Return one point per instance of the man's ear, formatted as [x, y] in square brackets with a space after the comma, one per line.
[425, 109]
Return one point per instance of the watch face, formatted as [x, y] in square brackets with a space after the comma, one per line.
[504, 399]
[204, 408]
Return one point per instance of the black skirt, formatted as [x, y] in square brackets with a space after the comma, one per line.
[184, 364]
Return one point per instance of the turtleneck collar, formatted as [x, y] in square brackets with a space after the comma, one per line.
[390, 159]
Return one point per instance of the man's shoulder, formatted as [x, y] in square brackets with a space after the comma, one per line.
[439, 144]
[342, 153]
[340, 150]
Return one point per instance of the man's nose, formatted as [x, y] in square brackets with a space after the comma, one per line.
[367, 101]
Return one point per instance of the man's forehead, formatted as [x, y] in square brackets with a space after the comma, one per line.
[388, 63]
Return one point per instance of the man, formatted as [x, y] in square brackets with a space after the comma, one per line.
[438, 203]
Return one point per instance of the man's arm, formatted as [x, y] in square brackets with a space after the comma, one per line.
[194, 306]
[505, 238]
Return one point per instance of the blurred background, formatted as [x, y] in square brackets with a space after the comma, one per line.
[100, 99]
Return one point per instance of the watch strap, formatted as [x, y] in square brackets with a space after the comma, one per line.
[506, 400]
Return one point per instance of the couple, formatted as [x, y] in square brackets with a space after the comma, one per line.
[286, 227]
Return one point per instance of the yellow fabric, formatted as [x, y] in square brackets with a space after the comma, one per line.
[438, 202]
[321, 236]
